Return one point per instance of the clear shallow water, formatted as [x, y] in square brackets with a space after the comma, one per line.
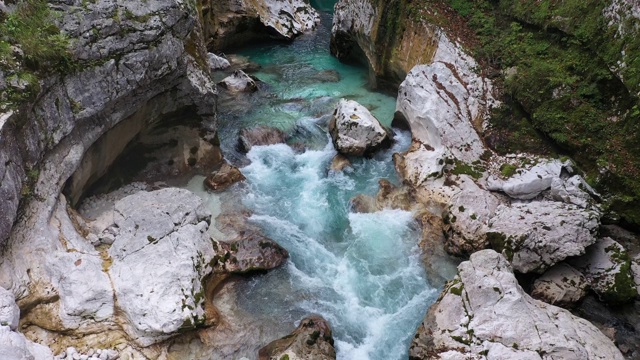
[362, 272]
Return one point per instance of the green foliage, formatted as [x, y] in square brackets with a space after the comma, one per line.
[31, 29]
[508, 170]
[556, 57]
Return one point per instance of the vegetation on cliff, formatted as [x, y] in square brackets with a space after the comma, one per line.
[30, 45]
[560, 64]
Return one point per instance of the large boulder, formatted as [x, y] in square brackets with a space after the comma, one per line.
[355, 131]
[484, 314]
[160, 257]
[535, 236]
[14, 346]
[607, 266]
[217, 62]
[311, 340]
[561, 285]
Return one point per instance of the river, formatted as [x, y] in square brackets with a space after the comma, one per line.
[362, 272]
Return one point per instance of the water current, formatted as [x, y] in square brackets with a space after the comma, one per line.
[361, 271]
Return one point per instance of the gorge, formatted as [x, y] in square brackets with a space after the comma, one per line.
[346, 179]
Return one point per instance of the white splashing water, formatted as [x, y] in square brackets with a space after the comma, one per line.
[362, 272]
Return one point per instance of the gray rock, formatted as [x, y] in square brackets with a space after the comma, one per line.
[528, 183]
[217, 63]
[484, 314]
[239, 81]
[160, 257]
[561, 285]
[355, 131]
[574, 190]
[260, 135]
[607, 266]
[340, 163]
[15, 346]
[311, 340]
[9, 310]
[250, 252]
[635, 270]
[535, 236]
[470, 209]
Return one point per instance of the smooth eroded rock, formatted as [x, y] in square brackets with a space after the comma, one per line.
[340, 163]
[9, 310]
[160, 256]
[311, 340]
[484, 314]
[217, 62]
[355, 131]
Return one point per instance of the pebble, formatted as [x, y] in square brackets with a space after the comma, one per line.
[91, 354]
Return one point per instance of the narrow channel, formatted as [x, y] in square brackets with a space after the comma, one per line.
[361, 271]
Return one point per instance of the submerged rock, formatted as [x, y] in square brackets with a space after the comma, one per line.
[340, 163]
[355, 131]
[484, 314]
[607, 266]
[561, 285]
[260, 135]
[239, 81]
[224, 177]
[311, 340]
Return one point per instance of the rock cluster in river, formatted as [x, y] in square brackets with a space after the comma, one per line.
[311, 340]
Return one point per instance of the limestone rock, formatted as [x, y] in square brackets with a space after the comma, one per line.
[355, 131]
[527, 184]
[635, 270]
[340, 163]
[484, 314]
[362, 203]
[224, 177]
[217, 62]
[561, 285]
[239, 81]
[535, 236]
[607, 266]
[470, 210]
[233, 23]
[311, 340]
[251, 251]
[260, 135]
[574, 190]
[160, 257]
[14, 346]
[9, 311]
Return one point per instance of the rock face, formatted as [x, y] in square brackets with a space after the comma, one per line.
[484, 314]
[224, 177]
[369, 32]
[355, 131]
[239, 81]
[311, 340]
[163, 234]
[260, 135]
[607, 266]
[144, 72]
[526, 185]
[534, 243]
[231, 23]
[9, 311]
[561, 285]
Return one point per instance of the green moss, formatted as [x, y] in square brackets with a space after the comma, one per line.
[461, 168]
[508, 170]
[284, 357]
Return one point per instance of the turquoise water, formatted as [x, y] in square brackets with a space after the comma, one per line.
[362, 272]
